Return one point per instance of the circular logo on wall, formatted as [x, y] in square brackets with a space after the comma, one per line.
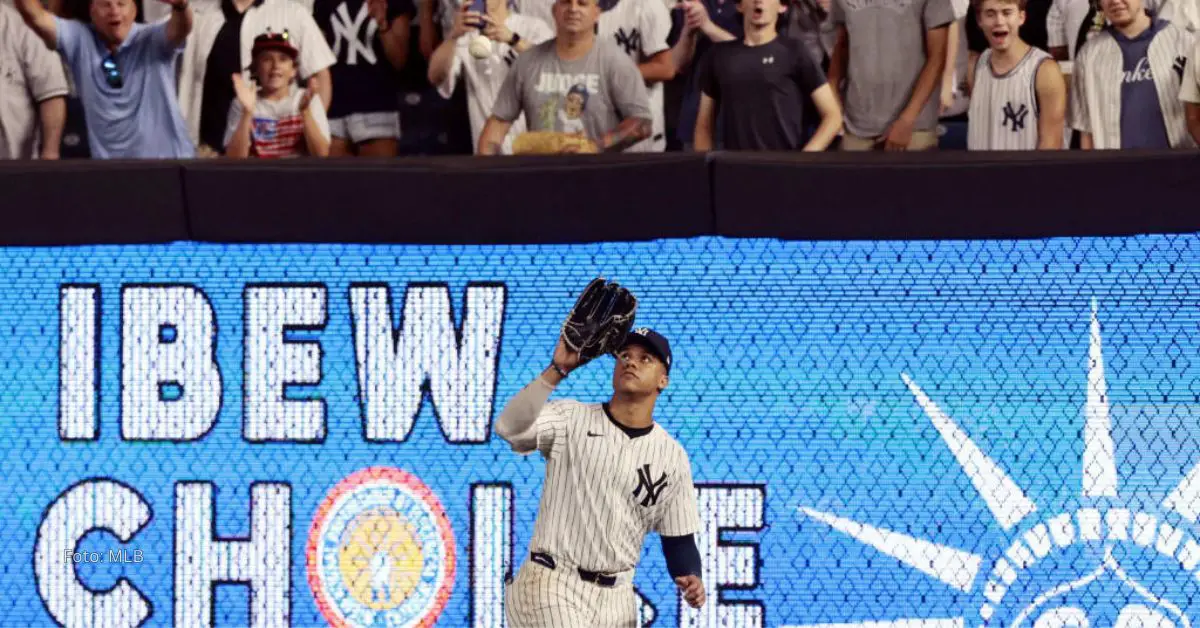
[381, 551]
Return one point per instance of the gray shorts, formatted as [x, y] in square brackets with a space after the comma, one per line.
[364, 127]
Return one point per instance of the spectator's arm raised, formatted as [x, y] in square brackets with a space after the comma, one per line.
[443, 57]
[179, 26]
[40, 20]
[393, 32]
[316, 125]
[657, 63]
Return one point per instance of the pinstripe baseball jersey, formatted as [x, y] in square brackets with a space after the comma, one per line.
[1095, 103]
[606, 489]
[1004, 107]
[1189, 91]
[641, 28]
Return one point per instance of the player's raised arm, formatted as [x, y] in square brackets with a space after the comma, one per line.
[589, 331]
[517, 422]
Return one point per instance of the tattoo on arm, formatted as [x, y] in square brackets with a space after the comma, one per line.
[629, 132]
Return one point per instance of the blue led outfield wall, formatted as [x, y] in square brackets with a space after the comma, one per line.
[915, 433]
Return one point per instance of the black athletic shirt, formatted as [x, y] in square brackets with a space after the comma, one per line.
[760, 92]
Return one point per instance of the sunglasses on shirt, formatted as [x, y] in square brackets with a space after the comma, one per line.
[112, 72]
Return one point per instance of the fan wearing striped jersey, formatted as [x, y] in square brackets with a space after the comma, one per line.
[612, 476]
[1189, 93]
[1142, 109]
[1018, 94]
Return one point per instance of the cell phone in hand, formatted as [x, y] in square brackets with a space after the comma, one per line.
[480, 7]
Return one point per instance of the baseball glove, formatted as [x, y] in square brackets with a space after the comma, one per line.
[551, 143]
[600, 320]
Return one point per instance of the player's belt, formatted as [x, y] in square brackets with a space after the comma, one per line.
[594, 577]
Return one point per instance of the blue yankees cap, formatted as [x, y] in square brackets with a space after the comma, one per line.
[652, 340]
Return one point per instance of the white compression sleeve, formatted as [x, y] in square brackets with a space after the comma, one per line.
[521, 412]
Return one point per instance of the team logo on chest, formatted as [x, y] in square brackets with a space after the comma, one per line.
[631, 41]
[348, 34]
[653, 488]
[1014, 118]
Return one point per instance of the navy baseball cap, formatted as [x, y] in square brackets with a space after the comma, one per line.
[652, 340]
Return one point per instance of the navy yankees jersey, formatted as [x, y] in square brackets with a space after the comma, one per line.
[1004, 108]
[606, 489]
[365, 79]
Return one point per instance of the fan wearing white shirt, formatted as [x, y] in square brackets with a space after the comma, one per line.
[641, 28]
[1071, 23]
[1189, 93]
[510, 34]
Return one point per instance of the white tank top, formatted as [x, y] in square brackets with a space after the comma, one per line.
[1004, 108]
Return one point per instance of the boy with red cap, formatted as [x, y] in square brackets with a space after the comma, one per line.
[278, 119]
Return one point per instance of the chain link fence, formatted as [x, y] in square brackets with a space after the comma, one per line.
[914, 433]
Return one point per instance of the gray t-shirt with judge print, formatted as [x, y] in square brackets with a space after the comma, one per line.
[589, 95]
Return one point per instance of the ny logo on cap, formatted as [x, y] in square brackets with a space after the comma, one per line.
[642, 331]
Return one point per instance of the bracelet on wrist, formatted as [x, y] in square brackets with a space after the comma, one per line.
[558, 369]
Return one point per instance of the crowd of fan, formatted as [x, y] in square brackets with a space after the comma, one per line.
[180, 79]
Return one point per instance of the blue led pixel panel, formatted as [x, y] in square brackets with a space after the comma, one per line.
[933, 434]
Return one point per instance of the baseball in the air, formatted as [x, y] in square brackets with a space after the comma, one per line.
[480, 47]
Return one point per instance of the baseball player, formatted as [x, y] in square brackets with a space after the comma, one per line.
[612, 476]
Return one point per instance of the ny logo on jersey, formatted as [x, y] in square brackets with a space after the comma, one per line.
[346, 33]
[1180, 63]
[631, 41]
[1015, 116]
[653, 488]
[510, 57]
[768, 60]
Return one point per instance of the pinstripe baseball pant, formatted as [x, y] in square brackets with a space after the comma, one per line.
[540, 597]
